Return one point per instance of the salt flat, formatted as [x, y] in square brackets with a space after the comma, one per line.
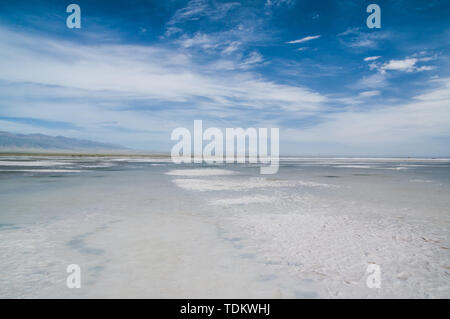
[155, 229]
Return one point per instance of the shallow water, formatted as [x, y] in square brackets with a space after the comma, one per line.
[150, 228]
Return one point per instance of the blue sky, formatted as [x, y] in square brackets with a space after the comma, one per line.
[138, 69]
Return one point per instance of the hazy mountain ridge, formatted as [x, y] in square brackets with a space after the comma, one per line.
[11, 141]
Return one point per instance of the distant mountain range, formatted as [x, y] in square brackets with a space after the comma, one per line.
[40, 142]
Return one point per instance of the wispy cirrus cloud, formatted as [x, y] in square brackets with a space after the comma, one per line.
[370, 93]
[372, 58]
[305, 39]
[202, 40]
[356, 38]
[253, 58]
[372, 81]
[277, 3]
[119, 84]
[196, 9]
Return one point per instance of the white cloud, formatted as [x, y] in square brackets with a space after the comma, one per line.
[355, 38]
[442, 93]
[405, 65]
[384, 71]
[254, 58]
[232, 47]
[87, 85]
[172, 30]
[95, 87]
[196, 9]
[305, 39]
[421, 127]
[372, 58]
[425, 68]
[234, 40]
[369, 93]
[374, 81]
[199, 39]
[277, 3]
